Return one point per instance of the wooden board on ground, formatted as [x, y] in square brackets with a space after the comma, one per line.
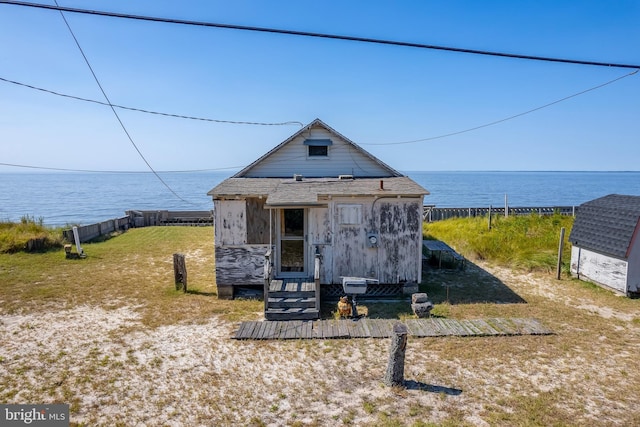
[383, 328]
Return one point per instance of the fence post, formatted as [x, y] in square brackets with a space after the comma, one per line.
[490, 208]
[560, 247]
[506, 207]
[180, 272]
[394, 375]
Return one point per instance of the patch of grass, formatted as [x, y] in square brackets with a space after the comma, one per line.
[369, 406]
[539, 410]
[28, 234]
[524, 241]
[133, 269]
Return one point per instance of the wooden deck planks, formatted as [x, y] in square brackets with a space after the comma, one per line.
[275, 286]
[383, 328]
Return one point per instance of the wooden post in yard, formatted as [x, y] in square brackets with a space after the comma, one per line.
[180, 272]
[394, 375]
[560, 247]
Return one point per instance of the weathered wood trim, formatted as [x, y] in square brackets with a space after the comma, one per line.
[257, 221]
[316, 278]
[633, 272]
[268, 275]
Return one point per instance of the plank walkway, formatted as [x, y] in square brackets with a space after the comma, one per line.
[383, 328]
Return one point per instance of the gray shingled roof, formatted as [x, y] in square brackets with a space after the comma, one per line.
[288, 191]
[606, 225]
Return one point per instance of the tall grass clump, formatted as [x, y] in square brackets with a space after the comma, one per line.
[15, 236]
[525, 241]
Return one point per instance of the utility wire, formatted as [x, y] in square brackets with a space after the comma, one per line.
[385, 143]
[506, 118]
[319, 35]
[115, 171]
[179, 116]
[86, 60]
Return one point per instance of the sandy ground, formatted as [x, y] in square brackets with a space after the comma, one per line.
[114, 371]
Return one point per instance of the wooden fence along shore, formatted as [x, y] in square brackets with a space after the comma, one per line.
[431, 213]
[137, 218]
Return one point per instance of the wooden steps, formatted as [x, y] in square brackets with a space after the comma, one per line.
[286, 302]
[291, 299]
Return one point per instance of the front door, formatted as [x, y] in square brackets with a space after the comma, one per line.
[291, 243]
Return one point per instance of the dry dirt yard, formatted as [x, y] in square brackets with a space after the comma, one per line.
[114, 370]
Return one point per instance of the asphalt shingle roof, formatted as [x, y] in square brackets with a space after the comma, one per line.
[607, 225]
[288, 191]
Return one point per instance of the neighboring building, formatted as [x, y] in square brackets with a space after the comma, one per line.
[606, 243]
[317, 204]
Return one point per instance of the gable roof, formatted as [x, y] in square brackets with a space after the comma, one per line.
[316, 124]
[607, 225]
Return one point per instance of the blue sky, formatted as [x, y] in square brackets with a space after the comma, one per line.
[372, 94]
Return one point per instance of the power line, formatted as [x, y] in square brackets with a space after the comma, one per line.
[319, 35]
[15, 165]
[507, 118]
[179, 116]
[95, 77]
[383, 143]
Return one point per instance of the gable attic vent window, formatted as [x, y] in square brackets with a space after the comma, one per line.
[318, 148]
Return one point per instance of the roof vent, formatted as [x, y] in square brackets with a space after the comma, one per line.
[345, 177]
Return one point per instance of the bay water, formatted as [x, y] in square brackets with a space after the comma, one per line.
[64, 198]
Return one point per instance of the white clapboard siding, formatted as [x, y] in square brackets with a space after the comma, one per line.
[343, 159]
[602, 269]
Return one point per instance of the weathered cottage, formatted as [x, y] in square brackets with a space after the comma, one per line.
[315, 209]
[606, 243]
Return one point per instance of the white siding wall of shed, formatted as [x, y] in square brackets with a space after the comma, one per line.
[598, 268]
[230, 222]
[342, 159]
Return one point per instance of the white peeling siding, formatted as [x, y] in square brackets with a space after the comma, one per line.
[230, 222]
[598, 268]
[343, 159]
[398, 224]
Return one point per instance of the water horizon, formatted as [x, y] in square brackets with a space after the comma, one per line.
[72, 197]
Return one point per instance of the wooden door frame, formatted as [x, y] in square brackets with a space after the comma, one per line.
[279, 239]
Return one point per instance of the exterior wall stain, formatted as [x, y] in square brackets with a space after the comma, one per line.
[243, 240]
